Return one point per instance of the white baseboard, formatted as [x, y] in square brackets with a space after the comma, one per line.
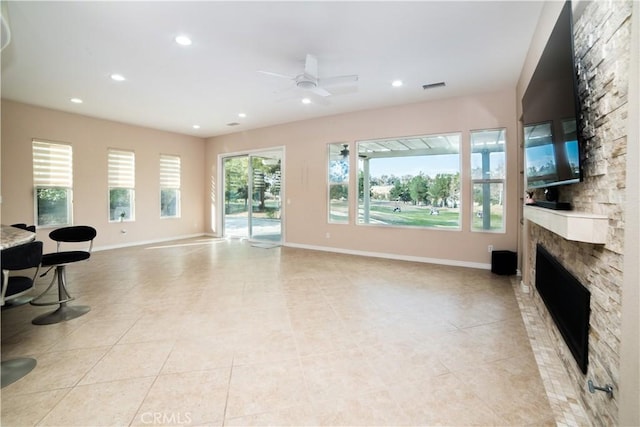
[146, 242]
[399, 257]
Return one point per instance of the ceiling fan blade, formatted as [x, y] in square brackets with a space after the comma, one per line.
[271, 73]
[320, 91]
[338, 80]
[311, 66]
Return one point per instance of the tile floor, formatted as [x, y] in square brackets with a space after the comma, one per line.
[211, 332]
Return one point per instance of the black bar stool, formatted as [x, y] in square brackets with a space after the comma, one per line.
[14, 287]
[59, 261]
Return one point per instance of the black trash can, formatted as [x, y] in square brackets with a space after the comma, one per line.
[504, 262]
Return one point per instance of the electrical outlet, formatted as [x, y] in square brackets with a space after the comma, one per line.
[490, 248]
[328, 235]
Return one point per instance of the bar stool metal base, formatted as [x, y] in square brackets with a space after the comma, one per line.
[14, 369]
[17, 302]
[63, 313]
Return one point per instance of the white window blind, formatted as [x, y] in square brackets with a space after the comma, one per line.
[169, 171]
[122, 169]
[52, 165]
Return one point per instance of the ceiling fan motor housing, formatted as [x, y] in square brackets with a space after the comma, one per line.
[303, 82]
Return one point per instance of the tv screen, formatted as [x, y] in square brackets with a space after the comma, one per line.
[550, 112]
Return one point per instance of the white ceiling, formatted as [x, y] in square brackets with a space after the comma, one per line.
[60, 50]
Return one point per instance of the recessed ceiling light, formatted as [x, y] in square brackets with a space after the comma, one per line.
[306, 101]
[76, 100]
[117, 77]
[196, 126]
[242, 115]
[396, 83]
[183, 40]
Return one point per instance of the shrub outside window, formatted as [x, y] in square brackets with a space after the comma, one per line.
[488, 174]
[338, 177]
[410, 181]
[53, 183]
[169, 186]
[121, 185]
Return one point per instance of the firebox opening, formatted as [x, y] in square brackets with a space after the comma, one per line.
[568, 302]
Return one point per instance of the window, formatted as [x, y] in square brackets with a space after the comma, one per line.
[53, 183]
[488, 173]
[338, 177]
[121, 185]
[169, 186]
[412, 182]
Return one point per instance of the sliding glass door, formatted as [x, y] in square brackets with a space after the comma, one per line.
[264, 221]
[236, 196]
[252, 196]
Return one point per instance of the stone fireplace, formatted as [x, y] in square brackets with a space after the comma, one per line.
[600, 272]
[602, 38]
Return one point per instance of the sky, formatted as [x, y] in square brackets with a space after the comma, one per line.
[401, 166]
[543, 154]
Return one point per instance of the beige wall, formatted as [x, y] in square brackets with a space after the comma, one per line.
[305, 145]
[90, 139]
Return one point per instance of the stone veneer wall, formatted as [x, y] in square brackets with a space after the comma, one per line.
[602, 37]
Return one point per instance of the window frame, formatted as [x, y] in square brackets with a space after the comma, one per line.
[346, 164]
[424, 145]
[46, 178]
[121, 177]
[488, 182]
[168, 182]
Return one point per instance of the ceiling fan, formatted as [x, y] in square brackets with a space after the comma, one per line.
[345, 151]
[308, 80]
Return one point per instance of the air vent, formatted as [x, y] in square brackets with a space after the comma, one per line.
[233, 124]
[432, 85]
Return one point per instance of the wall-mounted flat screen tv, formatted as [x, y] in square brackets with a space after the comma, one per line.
[550, 112]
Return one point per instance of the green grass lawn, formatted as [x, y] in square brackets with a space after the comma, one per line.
[496, 222]
[382, 212]
[410, 215]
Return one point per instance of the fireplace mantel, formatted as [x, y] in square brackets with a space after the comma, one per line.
[576, 226]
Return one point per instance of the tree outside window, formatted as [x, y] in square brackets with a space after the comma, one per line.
[338, 180]
[120, 204]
